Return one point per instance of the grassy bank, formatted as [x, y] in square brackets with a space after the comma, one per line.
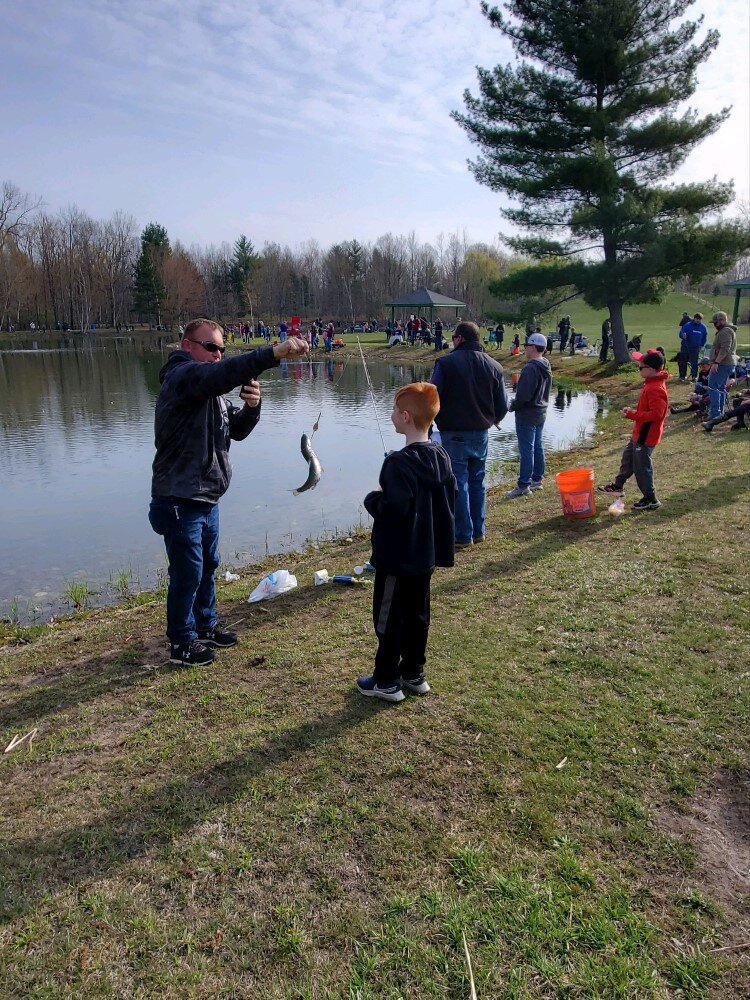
[573, 797]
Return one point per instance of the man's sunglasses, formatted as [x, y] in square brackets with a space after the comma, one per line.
[208, 345]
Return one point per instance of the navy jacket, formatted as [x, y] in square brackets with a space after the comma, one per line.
[194, 424]
[471, 389]
[532, 392]
[414, 528]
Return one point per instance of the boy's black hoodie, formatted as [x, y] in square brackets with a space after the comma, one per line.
[532, 392]
[414, 527]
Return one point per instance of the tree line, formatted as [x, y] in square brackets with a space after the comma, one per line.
[68, 269]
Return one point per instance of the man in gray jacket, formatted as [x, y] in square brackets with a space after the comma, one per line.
[530, 407]
[193, 426]
[722, 360]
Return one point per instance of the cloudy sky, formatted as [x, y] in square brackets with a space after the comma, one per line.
[282, 119]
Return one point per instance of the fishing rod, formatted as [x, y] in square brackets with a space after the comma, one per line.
[372, 396]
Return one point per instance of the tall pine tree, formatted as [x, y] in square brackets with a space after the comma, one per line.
[583, 133]
[243, 264]
[148, 278]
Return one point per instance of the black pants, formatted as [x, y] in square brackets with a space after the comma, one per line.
[401, 615]
[604, 349]
[688, 356]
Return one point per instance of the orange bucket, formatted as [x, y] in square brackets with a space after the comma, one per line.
[576, 488]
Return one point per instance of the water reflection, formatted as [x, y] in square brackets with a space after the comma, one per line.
[76, 446]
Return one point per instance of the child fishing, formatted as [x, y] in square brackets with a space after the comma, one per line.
[648, 416]
[412, 533]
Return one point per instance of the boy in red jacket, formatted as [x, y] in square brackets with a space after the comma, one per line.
[649, 416]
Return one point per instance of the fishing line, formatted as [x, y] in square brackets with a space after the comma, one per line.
[316, 425]
[372, 396]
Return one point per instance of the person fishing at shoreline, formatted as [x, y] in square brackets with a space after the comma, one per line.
[193, 427]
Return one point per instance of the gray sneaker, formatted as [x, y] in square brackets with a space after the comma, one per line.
[417, 685]
[536, 486]
[519, 491]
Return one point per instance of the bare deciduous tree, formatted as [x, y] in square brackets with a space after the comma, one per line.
[16, 209]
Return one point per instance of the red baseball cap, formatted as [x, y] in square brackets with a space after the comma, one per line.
[652, 359]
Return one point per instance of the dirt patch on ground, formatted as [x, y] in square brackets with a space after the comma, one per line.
[717, 827]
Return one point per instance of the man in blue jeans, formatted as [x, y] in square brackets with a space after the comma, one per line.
[693, 336]
[472, 398]
[722, 359]
[530, 407]
[193, 426]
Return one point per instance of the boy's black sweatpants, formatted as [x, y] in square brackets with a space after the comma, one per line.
[401, 615]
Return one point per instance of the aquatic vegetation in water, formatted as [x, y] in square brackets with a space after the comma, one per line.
[78, 593]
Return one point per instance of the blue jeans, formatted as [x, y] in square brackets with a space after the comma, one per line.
[468, 455]
[531, 453]
[191, 537]
[716, 389]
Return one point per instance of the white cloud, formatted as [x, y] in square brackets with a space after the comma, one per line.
[350, 88]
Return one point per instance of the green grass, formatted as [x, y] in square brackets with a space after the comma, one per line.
[656, 324]
[260, 830]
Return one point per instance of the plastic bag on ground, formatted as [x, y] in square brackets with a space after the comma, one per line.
[278, 582]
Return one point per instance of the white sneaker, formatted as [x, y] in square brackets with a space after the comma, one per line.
[519, 491]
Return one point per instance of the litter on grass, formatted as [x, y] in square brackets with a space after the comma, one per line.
[273, 585]
[18, 741]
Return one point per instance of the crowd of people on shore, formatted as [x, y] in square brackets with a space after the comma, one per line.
[431, 499]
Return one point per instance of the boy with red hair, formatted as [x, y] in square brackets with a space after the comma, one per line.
[413, 532]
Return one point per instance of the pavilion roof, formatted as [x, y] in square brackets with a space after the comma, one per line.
[424, 297]
[742, 283]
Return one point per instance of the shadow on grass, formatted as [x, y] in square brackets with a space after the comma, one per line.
[45, 864]
[551, 536]
[110, 675]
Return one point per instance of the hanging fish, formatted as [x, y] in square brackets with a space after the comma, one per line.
[315, 471]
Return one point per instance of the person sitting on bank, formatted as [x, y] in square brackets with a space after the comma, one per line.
[699, 397]
[738, 411]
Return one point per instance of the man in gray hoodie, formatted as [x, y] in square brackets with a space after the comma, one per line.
[530, 408]
[722, 360]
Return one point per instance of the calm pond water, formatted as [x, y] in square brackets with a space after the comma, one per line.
[76, 446]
